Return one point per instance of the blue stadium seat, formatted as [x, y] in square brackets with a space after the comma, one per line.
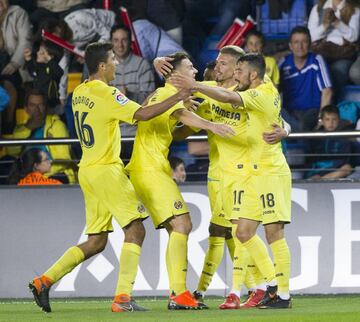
[278, 29]
[209, 52]
[350, 93]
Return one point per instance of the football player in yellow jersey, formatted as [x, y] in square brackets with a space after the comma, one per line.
[266, 191]
[220, 227]
[98, 109]
[150, 173]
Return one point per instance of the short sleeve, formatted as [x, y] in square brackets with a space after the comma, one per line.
[251, 99]
[122, 108]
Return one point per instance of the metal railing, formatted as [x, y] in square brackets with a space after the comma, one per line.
[292, 136]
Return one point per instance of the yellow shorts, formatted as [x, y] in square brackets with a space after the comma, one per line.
[108, 193]
[160, 195]
[258, 197]
[216, 205]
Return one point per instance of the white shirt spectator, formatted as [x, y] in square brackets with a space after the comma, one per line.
[336, 35]
[88, 24]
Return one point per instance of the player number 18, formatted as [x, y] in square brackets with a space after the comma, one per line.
[268, 200]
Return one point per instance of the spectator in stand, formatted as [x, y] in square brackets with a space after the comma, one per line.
[334, 26]
[325, 166]
[31, 168]
[15, 36]
[55, 9]
[46, 70]
[167, 14]
[134, 75]
[89, 25]
[178, 172]
[354, 72]
[304, 82]
[153, 40]
[254, 43]
[40, 125]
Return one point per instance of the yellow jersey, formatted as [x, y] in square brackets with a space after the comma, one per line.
[153, 137]
[272, 69]
[232, 151]
[262, 106]
[97, 110]
[205, 112]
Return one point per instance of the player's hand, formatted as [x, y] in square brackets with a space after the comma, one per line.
[184, 94]
[9, 69]
[190, 104]
[275, 136]
[222, 130]
[181, 81]
[163, 65]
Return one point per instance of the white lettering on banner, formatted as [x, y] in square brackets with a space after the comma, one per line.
[309, 276]
[300, 196]
[344, 237]
[309, 247]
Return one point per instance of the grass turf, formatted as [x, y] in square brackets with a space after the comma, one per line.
[305, 308]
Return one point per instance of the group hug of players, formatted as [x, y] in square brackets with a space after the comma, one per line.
[249, 181]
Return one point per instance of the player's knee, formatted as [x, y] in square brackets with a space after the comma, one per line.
[272, 236]
[243, 235]
[97, 245]
[135, 233]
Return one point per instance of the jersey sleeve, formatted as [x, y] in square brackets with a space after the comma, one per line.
[121, 108]
[251, 99]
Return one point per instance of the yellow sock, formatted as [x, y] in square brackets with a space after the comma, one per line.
[281, 255]
[255, 274]
[231, 247]
[250, 281]
[168, 267]
[240, 262]
[260, 255]
[177, 248]
[129, 262]
[212, 260]
[65, 264]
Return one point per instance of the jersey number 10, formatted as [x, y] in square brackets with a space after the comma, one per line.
[84, 131]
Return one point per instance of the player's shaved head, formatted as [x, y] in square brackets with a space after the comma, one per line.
[234, 51]
[95, 54]
[255, 62]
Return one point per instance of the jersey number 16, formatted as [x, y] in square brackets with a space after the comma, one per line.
[83, 130]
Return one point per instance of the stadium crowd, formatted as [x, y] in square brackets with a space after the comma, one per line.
[36, 81]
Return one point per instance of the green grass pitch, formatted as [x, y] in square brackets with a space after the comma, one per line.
[305, 308]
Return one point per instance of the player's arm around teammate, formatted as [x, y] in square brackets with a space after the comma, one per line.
[262, 103]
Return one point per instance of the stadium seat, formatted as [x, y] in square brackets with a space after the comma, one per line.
[278, 29]
[350, 93]
[209, 52]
